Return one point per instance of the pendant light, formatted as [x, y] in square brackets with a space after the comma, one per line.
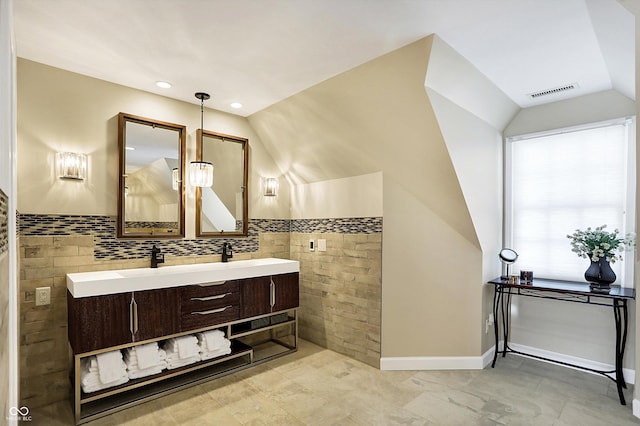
[201, 172]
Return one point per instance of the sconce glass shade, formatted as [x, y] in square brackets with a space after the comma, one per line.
[175, 179]
[271, 186]
[71, 165]
[201, 173]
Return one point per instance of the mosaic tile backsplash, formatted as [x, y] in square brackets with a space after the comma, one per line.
[350, 225]
[108, 247]
[4, 222]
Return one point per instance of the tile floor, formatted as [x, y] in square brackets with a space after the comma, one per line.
[316, 386]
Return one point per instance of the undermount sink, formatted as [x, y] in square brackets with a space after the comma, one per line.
[85, 284]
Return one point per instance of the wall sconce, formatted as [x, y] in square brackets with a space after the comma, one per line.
[71, 165]
[201, 172]
[175, 179]
[271, 186]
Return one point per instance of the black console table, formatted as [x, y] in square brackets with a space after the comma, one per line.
[567, 291]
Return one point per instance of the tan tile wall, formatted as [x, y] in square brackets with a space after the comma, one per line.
[340, 293]
[44, 262]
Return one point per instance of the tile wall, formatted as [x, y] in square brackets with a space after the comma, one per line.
[340, 288]
[340, 292]
[52, 246]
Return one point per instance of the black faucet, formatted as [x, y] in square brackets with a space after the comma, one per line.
[227, 252]
[156, 257]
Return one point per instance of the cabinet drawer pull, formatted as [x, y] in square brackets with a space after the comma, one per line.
[213, 311]
[133, 316]
[204, 299]
[272, 293]
[211, 284]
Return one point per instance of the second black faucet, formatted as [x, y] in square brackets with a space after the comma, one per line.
[227, 252]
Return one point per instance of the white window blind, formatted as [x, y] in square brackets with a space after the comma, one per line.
[557, 183]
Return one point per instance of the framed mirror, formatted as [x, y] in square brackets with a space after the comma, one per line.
[151, 195]
[222, 209]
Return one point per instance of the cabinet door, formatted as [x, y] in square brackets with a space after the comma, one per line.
[255, 296]
[158, 313]
[287, 291]
[98, 322]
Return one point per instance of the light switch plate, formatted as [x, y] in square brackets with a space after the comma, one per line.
[312, 245]
[322, 245]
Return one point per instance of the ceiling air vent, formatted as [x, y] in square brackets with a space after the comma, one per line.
[553, 91]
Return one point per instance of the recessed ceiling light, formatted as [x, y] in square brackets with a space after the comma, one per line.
[163, 84]
[130, 148]
[236, 105]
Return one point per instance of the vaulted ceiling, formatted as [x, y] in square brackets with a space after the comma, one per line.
[259, 52]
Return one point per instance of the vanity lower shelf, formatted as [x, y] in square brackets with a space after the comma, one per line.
[253, 341]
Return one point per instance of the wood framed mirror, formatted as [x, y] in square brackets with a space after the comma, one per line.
[151, 193]
[222, 209]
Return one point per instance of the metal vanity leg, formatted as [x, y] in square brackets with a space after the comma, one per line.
[77, 409]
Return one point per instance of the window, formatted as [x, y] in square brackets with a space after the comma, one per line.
[560, 181]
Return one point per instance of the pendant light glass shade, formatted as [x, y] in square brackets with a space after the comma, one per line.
[201, 173]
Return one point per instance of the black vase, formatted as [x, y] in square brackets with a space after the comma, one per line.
[600, 275]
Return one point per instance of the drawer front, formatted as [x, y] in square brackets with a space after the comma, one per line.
[208, 302]
[205, 290]
[209, 317]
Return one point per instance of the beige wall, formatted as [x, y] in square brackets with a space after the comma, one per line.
[377, 117]
[59, 110]
[358, 196]
[571, 112]
[471, 113]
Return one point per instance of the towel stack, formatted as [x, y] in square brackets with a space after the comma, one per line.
[181, 351]
[145, 360]
[103, 371]
[213, 344]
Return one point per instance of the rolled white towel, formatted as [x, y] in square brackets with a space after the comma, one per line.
[181, 362]
[211, 340]
[147, 355]
[110, 366]
[91, 381]
[185, 346]
[214, 354]
[204, 348]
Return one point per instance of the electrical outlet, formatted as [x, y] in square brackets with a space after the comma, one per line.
[322, 245]
[43, 296]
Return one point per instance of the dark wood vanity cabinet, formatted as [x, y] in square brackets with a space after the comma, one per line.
[157, 314]
[98, 322]
[206, 305]
[248, 311]
[264, 295]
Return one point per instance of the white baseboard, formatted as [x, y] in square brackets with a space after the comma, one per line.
[636, 408]
[480, 362]
[432, 363]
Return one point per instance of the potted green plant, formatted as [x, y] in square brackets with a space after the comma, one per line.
[602, 248]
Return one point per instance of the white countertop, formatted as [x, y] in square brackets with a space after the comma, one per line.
[85, 284]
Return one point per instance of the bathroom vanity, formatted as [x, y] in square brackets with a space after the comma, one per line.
[254, 302]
